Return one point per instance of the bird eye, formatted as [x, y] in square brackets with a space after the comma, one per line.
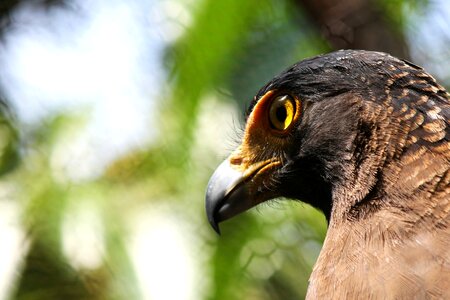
[281, 112]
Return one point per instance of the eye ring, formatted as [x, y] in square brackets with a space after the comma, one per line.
[282, 112]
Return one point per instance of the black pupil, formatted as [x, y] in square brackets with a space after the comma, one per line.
[281, 113]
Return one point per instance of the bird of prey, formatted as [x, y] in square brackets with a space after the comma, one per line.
[364, 137]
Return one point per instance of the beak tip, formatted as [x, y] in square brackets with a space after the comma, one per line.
[215, 226]
[211, 214]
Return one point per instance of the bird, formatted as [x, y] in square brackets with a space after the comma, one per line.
[364, 137]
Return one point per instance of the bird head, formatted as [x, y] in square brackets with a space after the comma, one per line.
[325, 131]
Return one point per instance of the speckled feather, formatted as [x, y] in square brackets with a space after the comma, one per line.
[376, 130]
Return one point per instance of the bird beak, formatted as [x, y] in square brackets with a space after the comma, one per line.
[225, 195]
[229, 191]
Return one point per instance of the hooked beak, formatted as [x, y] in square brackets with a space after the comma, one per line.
[229, 191]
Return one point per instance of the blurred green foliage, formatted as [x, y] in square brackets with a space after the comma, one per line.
[398, 11]
[9, 140]
[230, 49]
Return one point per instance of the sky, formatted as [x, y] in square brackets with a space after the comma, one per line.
[428, 34]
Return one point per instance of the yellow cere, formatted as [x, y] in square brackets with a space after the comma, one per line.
[281, 112]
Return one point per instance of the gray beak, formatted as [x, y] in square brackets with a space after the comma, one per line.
[226, 195]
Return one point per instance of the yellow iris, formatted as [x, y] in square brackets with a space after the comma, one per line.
[281, 112]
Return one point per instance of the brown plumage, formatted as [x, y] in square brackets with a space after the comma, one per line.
[364, 137]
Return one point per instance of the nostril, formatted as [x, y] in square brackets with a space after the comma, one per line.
[236, 160]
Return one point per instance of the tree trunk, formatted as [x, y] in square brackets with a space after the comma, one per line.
[355, 24]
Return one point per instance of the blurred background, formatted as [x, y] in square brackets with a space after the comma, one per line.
[114, 113]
